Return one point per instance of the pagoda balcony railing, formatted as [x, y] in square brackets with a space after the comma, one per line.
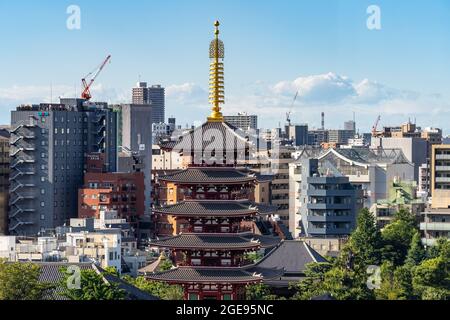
[218, 230]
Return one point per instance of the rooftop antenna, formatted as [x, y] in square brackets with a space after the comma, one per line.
[51, 92]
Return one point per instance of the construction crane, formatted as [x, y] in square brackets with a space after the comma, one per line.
[94, 74]
[375, 127]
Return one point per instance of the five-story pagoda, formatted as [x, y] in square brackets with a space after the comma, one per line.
[204, 213]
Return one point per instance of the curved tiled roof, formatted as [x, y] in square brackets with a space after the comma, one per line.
[208, 241]
[51, 272]
[209, 175]
[205, 274]
[210, 135]
[292, 256]
[216, 208]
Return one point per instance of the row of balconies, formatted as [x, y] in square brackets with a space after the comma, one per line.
[435, 226]
[313, 218]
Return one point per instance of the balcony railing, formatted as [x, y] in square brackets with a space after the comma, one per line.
[435, 226]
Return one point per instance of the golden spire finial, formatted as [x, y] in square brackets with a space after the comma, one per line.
[216, 83]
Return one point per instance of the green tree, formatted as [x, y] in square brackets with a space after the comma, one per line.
[259, 291]
[416, 253]
[440, 248]
[397, 237]
[395, 282]
[365, 241]
[20, 281]
[431, 279]
[253, 256]
[312, 285]
[92, 287]
[158, 289]
[166, 264]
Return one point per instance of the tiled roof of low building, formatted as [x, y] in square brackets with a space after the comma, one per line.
[51, 273]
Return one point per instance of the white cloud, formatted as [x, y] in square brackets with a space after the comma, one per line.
[324, 88]
[187, 93]
[337, 95]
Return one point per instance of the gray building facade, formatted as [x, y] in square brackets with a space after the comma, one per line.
[328, 203]
[137, 138]
[49, 144]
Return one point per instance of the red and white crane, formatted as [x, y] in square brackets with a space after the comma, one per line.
[94, 74]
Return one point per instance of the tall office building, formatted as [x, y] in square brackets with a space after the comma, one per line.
[49, 146]
[340, 136]
[298, 134]
[137, 138]
[140, 93]
[242, 121]
[350, 125]
[154, 96]
[317, 137]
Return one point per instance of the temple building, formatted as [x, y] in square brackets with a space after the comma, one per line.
[207, 214]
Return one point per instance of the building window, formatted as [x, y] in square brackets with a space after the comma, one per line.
[42, 204]
[193, 296]
[42, 217]
[56, 130]
[42, 179]
[42, 143]
[42, 191]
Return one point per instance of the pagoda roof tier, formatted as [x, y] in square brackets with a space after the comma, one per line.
[220, 136]
[216, 208]
[209, 175]
[209, 275]
[212, 241]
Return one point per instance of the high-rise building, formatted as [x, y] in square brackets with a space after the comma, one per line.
[243, 121]
[157, 98]
[317, 137]
[4, 180]
[137, 138]
[298, 134]
[350, 125]
[340, 136]
[49, 145]
[140, 93]
[154, 96]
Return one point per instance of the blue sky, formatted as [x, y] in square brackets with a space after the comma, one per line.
[273, 48]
